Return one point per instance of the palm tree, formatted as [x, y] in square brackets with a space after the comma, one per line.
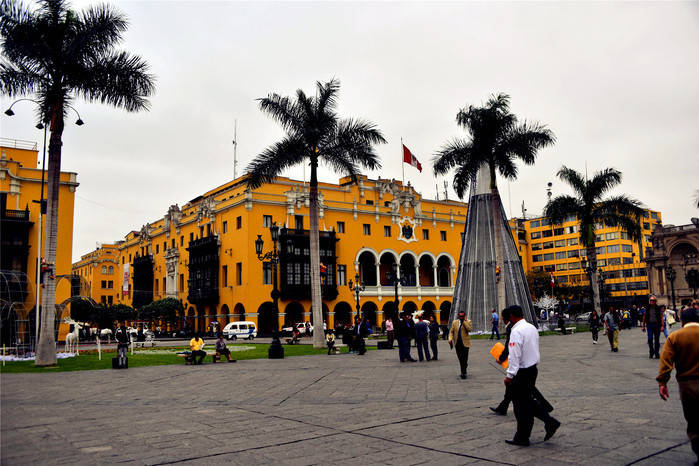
[591, 210]
[497, 140]
[315, 132]
[57, 54]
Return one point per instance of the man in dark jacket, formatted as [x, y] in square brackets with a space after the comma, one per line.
[122, 337]
[405, 330]
[421, 333]
[359, 333]
[653, 323]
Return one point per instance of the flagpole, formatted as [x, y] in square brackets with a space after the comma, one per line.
[402, 161]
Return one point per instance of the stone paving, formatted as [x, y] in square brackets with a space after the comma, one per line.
[346, 409]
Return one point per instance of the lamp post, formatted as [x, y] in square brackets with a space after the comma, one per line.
[273, 257]
[590, 267]
[670, 274]
[357, 288]
[691, 276]
[395, 280]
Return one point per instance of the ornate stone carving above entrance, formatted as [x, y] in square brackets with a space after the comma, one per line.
[407, 230]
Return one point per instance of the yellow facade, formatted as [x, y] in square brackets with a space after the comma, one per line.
[99, 269]
[376, 222]
[20, 186]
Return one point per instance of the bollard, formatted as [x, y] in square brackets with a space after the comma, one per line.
[99, 350]
[3, 355]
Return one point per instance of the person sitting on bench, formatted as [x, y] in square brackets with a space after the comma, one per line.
[196, 344]
[330, 341]
[222, 350]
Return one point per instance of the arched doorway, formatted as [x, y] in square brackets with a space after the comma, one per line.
[267, 319]
[443, 272]
[426, 271]
[428, 309]
[343, 313]
[409, 307]
[386, 264]
[444, 310]
[367, 268]
[407, 270]
[369, 312]
[239, 312]
[389, 310]
[293, 314]
[224, 318]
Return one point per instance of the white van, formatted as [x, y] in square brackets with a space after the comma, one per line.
[244, 330]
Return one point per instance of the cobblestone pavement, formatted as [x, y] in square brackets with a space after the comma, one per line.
[346, 409]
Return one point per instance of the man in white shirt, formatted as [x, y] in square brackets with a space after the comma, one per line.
[521, 375]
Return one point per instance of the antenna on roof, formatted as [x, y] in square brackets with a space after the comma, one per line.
[446, 192]
[235, 149]
[524, 211]
[436, 190]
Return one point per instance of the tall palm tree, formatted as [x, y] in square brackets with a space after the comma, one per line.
[56, 54]
[591, 209]
[314, 133]
[497, 140]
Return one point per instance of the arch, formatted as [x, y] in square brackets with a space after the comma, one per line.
[409, 306]
[426, 270]
[386, 261]
[239, 312]
[367, 267]
[293, 313]
[389, 310]
[200, 325]
[369, 312]
[343, 313]
[446, 256]
[428, 308]
[225, 316]
[444, 312]
[370, 251]
[681, 249]
[443, 271]
[407, 269]
[267, 319]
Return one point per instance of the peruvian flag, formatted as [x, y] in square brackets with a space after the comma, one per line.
[552, 280]
[408, 157]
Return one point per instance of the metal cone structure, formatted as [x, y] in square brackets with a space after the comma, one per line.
[477, 280]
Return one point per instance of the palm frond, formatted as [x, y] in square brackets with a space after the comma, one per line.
[561, 207]
[274, 160]
[282, 110]
[524, 141]
[327, 95]
[603, 181]
[465, 176]
[620, 211]
[16, 82]
[452, 154]
[98, 30]
[574, 179]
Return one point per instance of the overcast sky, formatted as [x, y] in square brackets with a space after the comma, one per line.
[618, 84]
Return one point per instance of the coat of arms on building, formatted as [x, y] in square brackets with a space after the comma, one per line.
[407, 230]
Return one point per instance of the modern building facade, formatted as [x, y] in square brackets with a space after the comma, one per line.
[20, 193]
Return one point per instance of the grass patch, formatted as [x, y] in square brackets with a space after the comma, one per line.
[88, 360]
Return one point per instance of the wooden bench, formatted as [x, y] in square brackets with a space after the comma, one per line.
[188, 356]
[570, 330]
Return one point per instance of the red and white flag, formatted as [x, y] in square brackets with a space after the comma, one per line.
[408, 157]
[552, 280]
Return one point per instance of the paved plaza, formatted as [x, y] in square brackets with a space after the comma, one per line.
[347, 409]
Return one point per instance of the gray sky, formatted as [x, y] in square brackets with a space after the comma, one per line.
[618, 83]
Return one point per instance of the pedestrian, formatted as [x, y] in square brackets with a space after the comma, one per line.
[123, 338]
[562, 322]
[595, 324]
[308, 329]
[501, 409]
[681, 350]
[521, 376]
[611, 327]
[494, 320]
[460, 340]
[421, 333]
[222, 349]
[404, 332]
[196, 344]
[653, 323]
[434, 336]
[361, 330]
[390, 333]
[330, 341]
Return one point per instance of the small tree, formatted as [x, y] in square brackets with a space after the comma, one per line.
[547, 302]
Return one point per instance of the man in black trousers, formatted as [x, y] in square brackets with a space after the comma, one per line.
[501, 409]
[460, 340]
[521, 376]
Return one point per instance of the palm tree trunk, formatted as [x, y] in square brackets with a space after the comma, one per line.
[46, 347]
[497, 230]
[594, 284]
[316, 297]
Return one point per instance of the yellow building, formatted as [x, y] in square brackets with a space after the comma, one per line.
[203, 253]
[20, 191]
[556, 249]
[99, 269]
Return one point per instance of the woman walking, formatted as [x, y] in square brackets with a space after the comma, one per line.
[595, 324]
[434, 336]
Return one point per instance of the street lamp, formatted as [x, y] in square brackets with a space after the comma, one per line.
[357, 287]
[273, 257]
[395, 280]
[670, 274]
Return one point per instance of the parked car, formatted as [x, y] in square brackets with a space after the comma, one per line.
[584, 317]
[301, 326]
[243, 330]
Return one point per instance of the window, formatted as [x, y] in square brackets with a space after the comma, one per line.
[547, 233]
[654, 215]
[572, 241]
[613, 249]
[583, 253]
[367, 229]
[110, 300]
[104, 283]
[111, 270]
[443, 235]
[538, 268]
[558, 231]
[225, 227]
[534, 224]
[561, 267]
[647, 238]
[104, 269]
[181, 288]
[110, 284]
[613, 235]
[173, 242]
[425, 234]
[157, 248]
[267, 273]
[570, 218]
[298, 222]
[548, 256]
[181, 240]
[615, 261]
[646, 226]
[562, 279]
[224, 276]
[369, 202]
[545, 222]
[626, 248]
[570, 230]
[561, 255]
[340, 227]
[387, 231]
[548, 245]
[573, 254]
[599, 238]
[560, 243]
[628, 260]
[341, 275]
[536, 246]
[155, 286]
[601, 263]
[536, 235]
[239, 273]
[537, 258]
[238, 222]
[208, 230]
[266, 221]
[600, 250]
[191, 237]
[573, 265]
